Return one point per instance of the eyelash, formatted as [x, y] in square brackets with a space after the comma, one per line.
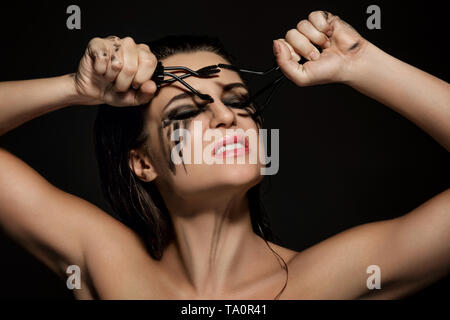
[241, 103]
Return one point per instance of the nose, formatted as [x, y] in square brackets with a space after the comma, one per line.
[222, 115]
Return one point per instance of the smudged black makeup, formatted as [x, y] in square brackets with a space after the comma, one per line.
[180, 117]
[184, 112]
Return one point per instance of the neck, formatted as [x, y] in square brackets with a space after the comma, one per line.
[213, 241]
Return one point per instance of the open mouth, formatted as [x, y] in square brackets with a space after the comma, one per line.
[231, 146]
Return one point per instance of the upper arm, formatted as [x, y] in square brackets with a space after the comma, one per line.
[411, 252]
[53, 225]
[416, 249]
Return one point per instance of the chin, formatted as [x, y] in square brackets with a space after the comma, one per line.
[219, 178]
[240, 174]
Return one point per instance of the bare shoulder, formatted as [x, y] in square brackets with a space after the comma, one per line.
[64, 230]
[55, 226]
[410, 252]
[118, 264]
[285, 253]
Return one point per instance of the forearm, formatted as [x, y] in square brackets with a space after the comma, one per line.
[21, 101]
[417, 95]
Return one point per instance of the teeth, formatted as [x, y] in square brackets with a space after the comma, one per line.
[229, 147]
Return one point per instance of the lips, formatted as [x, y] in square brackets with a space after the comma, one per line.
[231, 146]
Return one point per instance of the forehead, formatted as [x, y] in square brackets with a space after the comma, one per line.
[194, 60]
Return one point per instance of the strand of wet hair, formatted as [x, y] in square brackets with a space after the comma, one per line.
[283, 266]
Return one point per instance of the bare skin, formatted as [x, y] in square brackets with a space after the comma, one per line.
[61, 229]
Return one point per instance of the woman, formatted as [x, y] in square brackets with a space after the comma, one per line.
[187, 228]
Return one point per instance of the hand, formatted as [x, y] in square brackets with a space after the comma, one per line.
[116, 72]
[341, 47]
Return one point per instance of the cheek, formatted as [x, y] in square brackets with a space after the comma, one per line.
[203, 174]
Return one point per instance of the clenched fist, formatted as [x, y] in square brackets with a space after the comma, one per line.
[341, 47]
[116, 72]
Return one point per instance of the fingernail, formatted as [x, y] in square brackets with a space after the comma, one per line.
[314, 55]
[276, 47]
[327, 44]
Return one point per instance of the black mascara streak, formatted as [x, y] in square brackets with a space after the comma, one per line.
[184, 126]
[161, 140]
[169, 158]
[176, 126]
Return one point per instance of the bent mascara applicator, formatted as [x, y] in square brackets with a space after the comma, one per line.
[164, 75]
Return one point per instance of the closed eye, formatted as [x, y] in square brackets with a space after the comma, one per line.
[190, 111]
[185, 114]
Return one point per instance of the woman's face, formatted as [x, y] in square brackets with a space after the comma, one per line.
[225, 113]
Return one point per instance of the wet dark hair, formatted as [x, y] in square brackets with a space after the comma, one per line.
[139, 204]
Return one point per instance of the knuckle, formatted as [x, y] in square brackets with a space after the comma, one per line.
[117, 66]
[314, 15]
[94, 41]
[147, 62]
[129, 70]
[290, 34]
[152, 60]
[144, 47]
[128, 40]
[302, 24]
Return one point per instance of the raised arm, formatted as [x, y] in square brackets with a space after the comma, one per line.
[415, 94]
[103, 76]
[53, 225]
[21, 101]
[414, 249]
[348, 58]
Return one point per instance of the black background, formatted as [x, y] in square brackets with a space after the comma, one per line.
[345, 159]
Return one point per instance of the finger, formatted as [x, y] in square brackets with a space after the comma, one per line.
[306, 28]
[130, 65]
[148, 87]
[120, 99]
[99, 52]
[132, 97]
[114, 67]
[302, 45]
[147, 65]
[294, 54]
[288, 65]
[321, 20]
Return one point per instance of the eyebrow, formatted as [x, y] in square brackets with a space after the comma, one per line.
[230, 86]
[190, 94]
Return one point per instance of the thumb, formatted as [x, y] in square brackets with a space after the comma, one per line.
[145, 92]
[293, 70]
